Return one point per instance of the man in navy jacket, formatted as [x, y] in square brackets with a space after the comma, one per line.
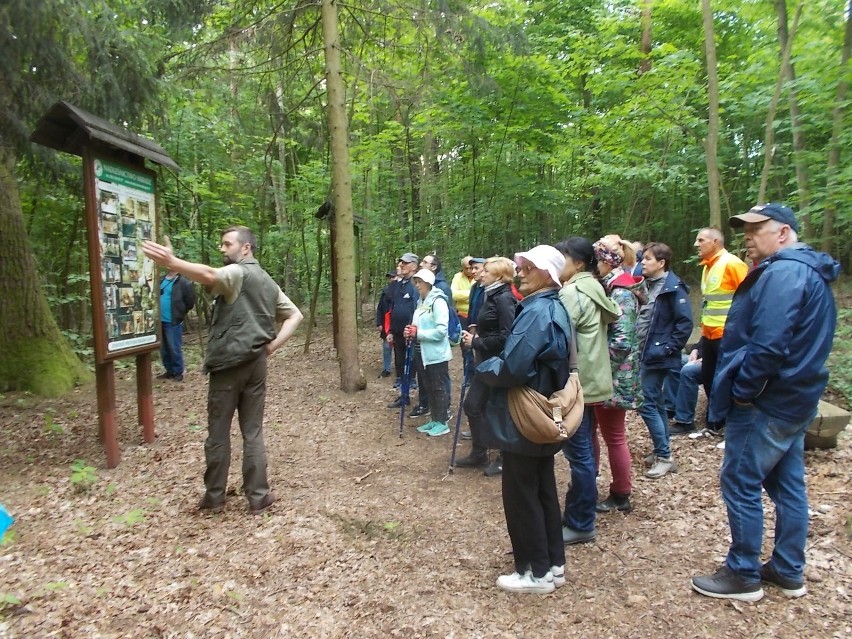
[770, 376]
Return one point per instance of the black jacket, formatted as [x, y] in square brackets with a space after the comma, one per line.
[494, 322]
[183, 297]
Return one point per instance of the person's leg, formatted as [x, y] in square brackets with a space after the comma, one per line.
[611, 422]
[762, 451]
[549, 498]
[386, 356]
[177, 346]
[710, 356]
[436, 376]
[474, 407]
[785, 485]
[582, 495]
[671, 386]
[687, 394]
[399, 354]
[170, 350]
[652, 389]
[165, 349]
[422, 385]
[222, 399]
[251, 405]
[524, 514]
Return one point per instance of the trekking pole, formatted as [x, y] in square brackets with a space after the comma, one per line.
[466, 375]
[405, 382]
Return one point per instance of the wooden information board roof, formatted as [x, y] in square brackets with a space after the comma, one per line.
[68, 128]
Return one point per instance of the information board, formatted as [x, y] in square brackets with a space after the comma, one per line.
[126, 214]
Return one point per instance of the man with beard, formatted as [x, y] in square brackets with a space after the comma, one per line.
[248, 304]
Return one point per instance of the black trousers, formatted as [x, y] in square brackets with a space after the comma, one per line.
[399, 355]
[474, 407]
[709, 360]
[533, 517]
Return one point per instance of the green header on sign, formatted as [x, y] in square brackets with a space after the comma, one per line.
[117, 174]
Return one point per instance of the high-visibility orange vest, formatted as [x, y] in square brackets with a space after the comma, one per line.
[717, 302]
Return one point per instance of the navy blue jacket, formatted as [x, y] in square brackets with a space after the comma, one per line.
[535, 355]
[778, 335]
[404, 298]
[441, 283]
[670, 326]
[476, 298]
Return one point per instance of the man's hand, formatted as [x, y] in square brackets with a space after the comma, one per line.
[162, 254]
[389, 338]
[693, 356]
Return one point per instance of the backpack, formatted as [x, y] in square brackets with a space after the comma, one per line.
[454, 327]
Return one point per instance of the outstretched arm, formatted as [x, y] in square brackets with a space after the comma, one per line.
[162, 254]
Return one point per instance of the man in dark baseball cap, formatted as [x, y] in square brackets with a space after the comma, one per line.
[763, 212]
[769, 379]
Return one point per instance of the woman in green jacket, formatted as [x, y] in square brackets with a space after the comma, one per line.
[591, 312]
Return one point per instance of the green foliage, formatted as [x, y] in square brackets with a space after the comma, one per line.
[83, 476]
[51, 427]
[473, 129]
[840, 360]
[130, 518]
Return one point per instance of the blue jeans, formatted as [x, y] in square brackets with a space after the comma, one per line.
[582, 495]
[653, 409]
[683, 384]
[171, 348]
[671, 385]
[765, 451]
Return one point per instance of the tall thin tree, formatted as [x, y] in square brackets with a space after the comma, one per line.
[351, 377]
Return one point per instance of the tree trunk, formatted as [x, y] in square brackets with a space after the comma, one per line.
[802, 176]
[711, 142]
[351, 377]
[645, 65]
[769, 136]
[35, 355]
[830, 211]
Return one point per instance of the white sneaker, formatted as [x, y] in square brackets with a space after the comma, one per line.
[526, 583]
[664, 466]
[558, 573]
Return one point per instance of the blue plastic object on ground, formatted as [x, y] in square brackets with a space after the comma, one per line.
[6, 520]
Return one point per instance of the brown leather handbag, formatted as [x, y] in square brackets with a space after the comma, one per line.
[549, 420]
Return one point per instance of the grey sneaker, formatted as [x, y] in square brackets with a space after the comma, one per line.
[662, 467]
[726, 584]
[788, 587]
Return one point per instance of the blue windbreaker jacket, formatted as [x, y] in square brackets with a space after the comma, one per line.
[778, 336]
[535, 355]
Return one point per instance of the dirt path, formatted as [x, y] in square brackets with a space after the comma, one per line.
[407, 551]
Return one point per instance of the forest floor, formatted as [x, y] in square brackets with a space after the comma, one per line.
[370, 536]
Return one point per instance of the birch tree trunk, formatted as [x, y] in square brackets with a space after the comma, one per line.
[711, 142]
[351, 377]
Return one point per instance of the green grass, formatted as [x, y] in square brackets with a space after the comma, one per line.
[840, 360]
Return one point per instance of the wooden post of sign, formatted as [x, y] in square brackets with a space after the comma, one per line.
[107, 417]
[145, 396]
